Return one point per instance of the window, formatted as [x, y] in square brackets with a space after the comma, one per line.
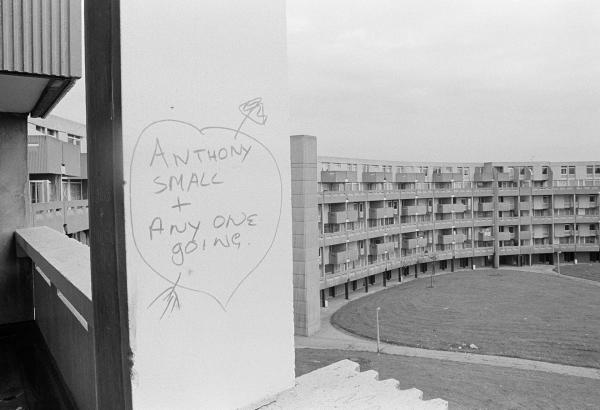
[567, 227]
[592, 198]
[40, 191]
[466, 171]
[40, 129]
[546, 199]
[52, 132]
[597, 170]
[563, 170]
[589, 169]
[522, 171]
[544, 170]
[571, 170]
[74, 139]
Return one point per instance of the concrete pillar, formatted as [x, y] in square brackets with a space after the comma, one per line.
[367, 284]
[217, 71]
[346, 291]
[305, 234]
[16, 302]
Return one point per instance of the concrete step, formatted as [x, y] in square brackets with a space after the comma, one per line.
[342, 385]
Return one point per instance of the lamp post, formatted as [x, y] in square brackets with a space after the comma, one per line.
[433, 259]
[377, 322]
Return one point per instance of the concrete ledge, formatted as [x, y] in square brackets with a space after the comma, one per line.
[63, 260]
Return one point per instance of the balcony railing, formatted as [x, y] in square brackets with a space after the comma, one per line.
[62, 216]
[63, 306]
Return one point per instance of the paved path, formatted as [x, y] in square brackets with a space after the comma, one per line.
[330, 337]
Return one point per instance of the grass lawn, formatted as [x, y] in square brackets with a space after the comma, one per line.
[589, 271]
[508, 313]
[467, 386]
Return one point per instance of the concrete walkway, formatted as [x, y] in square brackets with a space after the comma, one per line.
[329, 337]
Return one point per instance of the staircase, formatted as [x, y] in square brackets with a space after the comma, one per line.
[342, 385]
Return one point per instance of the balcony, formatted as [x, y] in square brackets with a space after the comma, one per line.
[341, 217]
[380, 213]
[414, 210]
[587, 232]
[485, 236]
[62, 216]
[540, 234]
[541, 205]
[449, 239]
[506, 206]
[381, 248]
[587, 205]
[41, 54]
[562, 205]
[539, 175]
[483, 175]
[525, 235]
[46, 154]
[404, 177]
[335, 177]
[563, 234]
[372, 177]
[413, 243]
[343, 256]
[485, 206]
[451, 208]
[505, 236]
[506, 176]
[63, 306]
[447, 177]
[524, 205]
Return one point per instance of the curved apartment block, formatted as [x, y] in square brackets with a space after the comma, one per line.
[358, 222]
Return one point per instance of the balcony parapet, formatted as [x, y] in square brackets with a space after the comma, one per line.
[451, 208]
[381, 248]
[63, 305]
[506, 236]
[58, 215]
[372, 177]
[404, 177]
[485, 207]
[505, 206]
[447, 177]
[380, 213]
[449, 239]
[525, 235]
[337, 177]
[343, 256]
[341, 217]
[414, 210]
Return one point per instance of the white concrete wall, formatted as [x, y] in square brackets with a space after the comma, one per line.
[212, 328]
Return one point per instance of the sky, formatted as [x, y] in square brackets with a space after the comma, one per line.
[441, 80]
